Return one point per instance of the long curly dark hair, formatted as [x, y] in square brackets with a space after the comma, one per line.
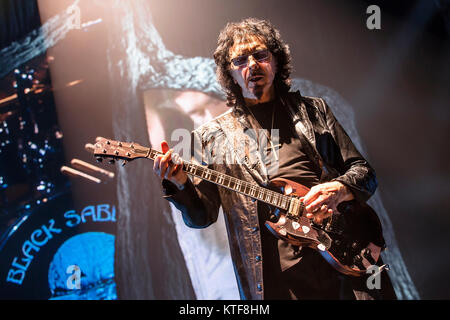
[237, 32]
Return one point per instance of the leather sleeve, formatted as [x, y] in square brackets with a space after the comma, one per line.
[356, 172]
[199, 201]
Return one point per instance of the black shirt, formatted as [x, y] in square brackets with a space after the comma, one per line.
[293, 164]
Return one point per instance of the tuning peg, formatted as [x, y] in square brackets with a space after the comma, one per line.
[124, 163]
[112, 161]
[99, 159]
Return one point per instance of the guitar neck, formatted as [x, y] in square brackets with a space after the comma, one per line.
[249, 189]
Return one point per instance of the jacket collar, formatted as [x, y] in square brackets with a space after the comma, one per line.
[293, 102]
[296, 106]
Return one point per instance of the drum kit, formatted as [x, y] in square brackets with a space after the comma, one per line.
[31, 145]
[30, 142]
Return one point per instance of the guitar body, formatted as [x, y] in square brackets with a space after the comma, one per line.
[350, 240]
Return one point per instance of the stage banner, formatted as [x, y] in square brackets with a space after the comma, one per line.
[58, 251]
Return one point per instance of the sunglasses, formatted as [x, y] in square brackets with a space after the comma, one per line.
[260, 56]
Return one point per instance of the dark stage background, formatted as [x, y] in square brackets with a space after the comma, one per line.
[97, 63]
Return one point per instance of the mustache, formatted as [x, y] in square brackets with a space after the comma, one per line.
[256, 73]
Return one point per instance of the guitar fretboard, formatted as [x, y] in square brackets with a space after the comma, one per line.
[249, 189]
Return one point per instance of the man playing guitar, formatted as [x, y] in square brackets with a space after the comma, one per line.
[312, 150]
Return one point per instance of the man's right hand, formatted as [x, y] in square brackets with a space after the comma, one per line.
[166, 169]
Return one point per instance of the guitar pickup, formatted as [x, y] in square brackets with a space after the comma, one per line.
[294, 207]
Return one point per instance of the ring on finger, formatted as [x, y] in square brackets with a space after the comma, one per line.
[321, 208]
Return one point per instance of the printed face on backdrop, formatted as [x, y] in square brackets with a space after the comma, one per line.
[253, 68]
[199, 107]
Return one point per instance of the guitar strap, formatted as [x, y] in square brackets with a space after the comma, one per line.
[305, 132]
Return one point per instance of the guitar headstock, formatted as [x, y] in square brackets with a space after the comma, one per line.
[114, 150]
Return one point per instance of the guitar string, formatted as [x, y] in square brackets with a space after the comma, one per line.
[240, 185]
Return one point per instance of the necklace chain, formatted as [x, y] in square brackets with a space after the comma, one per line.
[264, 130]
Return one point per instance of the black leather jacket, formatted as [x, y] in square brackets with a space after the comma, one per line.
[326, 143]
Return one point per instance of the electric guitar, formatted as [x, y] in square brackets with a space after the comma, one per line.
[350, 240]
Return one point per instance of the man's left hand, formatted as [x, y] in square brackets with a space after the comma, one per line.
[322, 200]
